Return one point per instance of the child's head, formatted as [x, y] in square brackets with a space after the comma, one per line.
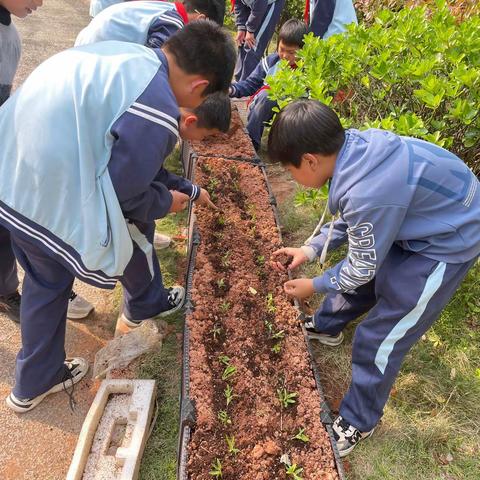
[306, 137]
[21, 8]
[201, 58]
[205, 9]
[211, 117]
[290, 40]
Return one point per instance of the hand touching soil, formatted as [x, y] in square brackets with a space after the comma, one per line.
[287, 259]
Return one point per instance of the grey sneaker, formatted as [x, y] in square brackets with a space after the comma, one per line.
[324, 338]
[10, 306]
[161, 241]
[347, 436]
[78, 307]
[77, 368]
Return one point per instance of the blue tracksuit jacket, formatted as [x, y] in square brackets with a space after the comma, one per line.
[328, 17]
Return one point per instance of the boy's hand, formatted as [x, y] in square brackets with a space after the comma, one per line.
[298, 257]
[179, 201]
[204, 199]
[250, 40]
[300, 288]
[240, 37]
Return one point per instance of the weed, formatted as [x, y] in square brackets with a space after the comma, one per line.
[301, 435]
[231, 445]
[224, 417]
[294, 471]
[228, 394]
[229, 372]
[216, 470]
[285, 397]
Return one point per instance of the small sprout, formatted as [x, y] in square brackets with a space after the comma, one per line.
[216, 470]
[260, 260]
[231, 444]
[221, 221]
[253, 231]
[252, 290]
[229, 372]
[301, 435]
[277, 348]
[294, 471]
[224, 359]
[221, 283]
[269, 326]
[224, 418]
[278, 335]
[285, 397]
[271, 308]
[228, 394]
[225, 306]
[216, 331]
[226, 260]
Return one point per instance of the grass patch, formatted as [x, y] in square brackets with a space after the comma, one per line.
[431, 425]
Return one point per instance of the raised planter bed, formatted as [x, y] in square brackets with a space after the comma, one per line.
[242, 333]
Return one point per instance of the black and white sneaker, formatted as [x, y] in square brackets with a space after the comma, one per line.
[10, 306]
[176, 296]
[77, 368]
[78, 307]
[324, 338]
[347, 436]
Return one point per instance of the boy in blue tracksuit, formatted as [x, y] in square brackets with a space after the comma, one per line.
[328, 17]
[90, 128]
[97, 6]
[410, 212]
[256, 21]
[146, 22]
[290, 40]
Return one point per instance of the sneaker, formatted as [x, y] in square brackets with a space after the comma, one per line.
[347, 436]
[324, 338]
[77, 368]
[176, 296]
[78, 307]
[161, 241]
[10, 306]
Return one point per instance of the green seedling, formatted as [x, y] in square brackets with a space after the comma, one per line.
[216, 470]
[212, 184]
[294, 471]
[226, 260]
[301, 435]
[224, 359]
[286, 398]
[228, 394]
[206, 168]
[221, 283]
[216, 331]
[229, 372]
[277, 348]
[231, 445]
[260, 261]
[269, 326]
[271, 308]
[278, 335]
[224, 418]
[225, 306]
[221, 221]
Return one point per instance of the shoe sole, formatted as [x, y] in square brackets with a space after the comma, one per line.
[55, 389]
[79, 316]
[329, 341]
[344, 453]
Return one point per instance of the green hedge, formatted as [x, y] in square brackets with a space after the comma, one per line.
[413, 73]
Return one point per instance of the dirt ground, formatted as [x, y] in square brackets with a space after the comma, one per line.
[39, 445]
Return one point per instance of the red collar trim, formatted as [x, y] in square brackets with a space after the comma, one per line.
[182, 12]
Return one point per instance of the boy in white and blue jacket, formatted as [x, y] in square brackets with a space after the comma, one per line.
[328, 17]
[410, 212]
[256, 21]
[290, 40]
[90, 129]
[148, 23]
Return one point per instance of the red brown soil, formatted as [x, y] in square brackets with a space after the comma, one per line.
[230, 287]
[231, 144]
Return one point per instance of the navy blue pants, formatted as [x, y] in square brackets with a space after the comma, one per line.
[43, 313]
[8, 265]
[248, 58]
[406, 297]
[260, 111]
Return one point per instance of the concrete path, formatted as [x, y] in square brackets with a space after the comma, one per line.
[39, 445]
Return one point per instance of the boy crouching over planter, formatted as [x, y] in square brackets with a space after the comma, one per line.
[290, 40]
[89, 130]
[410, 212]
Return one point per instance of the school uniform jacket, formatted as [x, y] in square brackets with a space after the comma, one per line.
[250, 13]
[83, 145]
[96, 6]
[389, 189]
[328, 17]
[143, 22]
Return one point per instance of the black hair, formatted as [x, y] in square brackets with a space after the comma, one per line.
[204, 48]
[292, 32]
[215, 112]
[213, 9]
[304, 126]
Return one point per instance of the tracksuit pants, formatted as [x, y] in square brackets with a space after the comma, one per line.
[248, 58]
[407, 295]
[260, 112]
[43, 313]
[8, 265]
